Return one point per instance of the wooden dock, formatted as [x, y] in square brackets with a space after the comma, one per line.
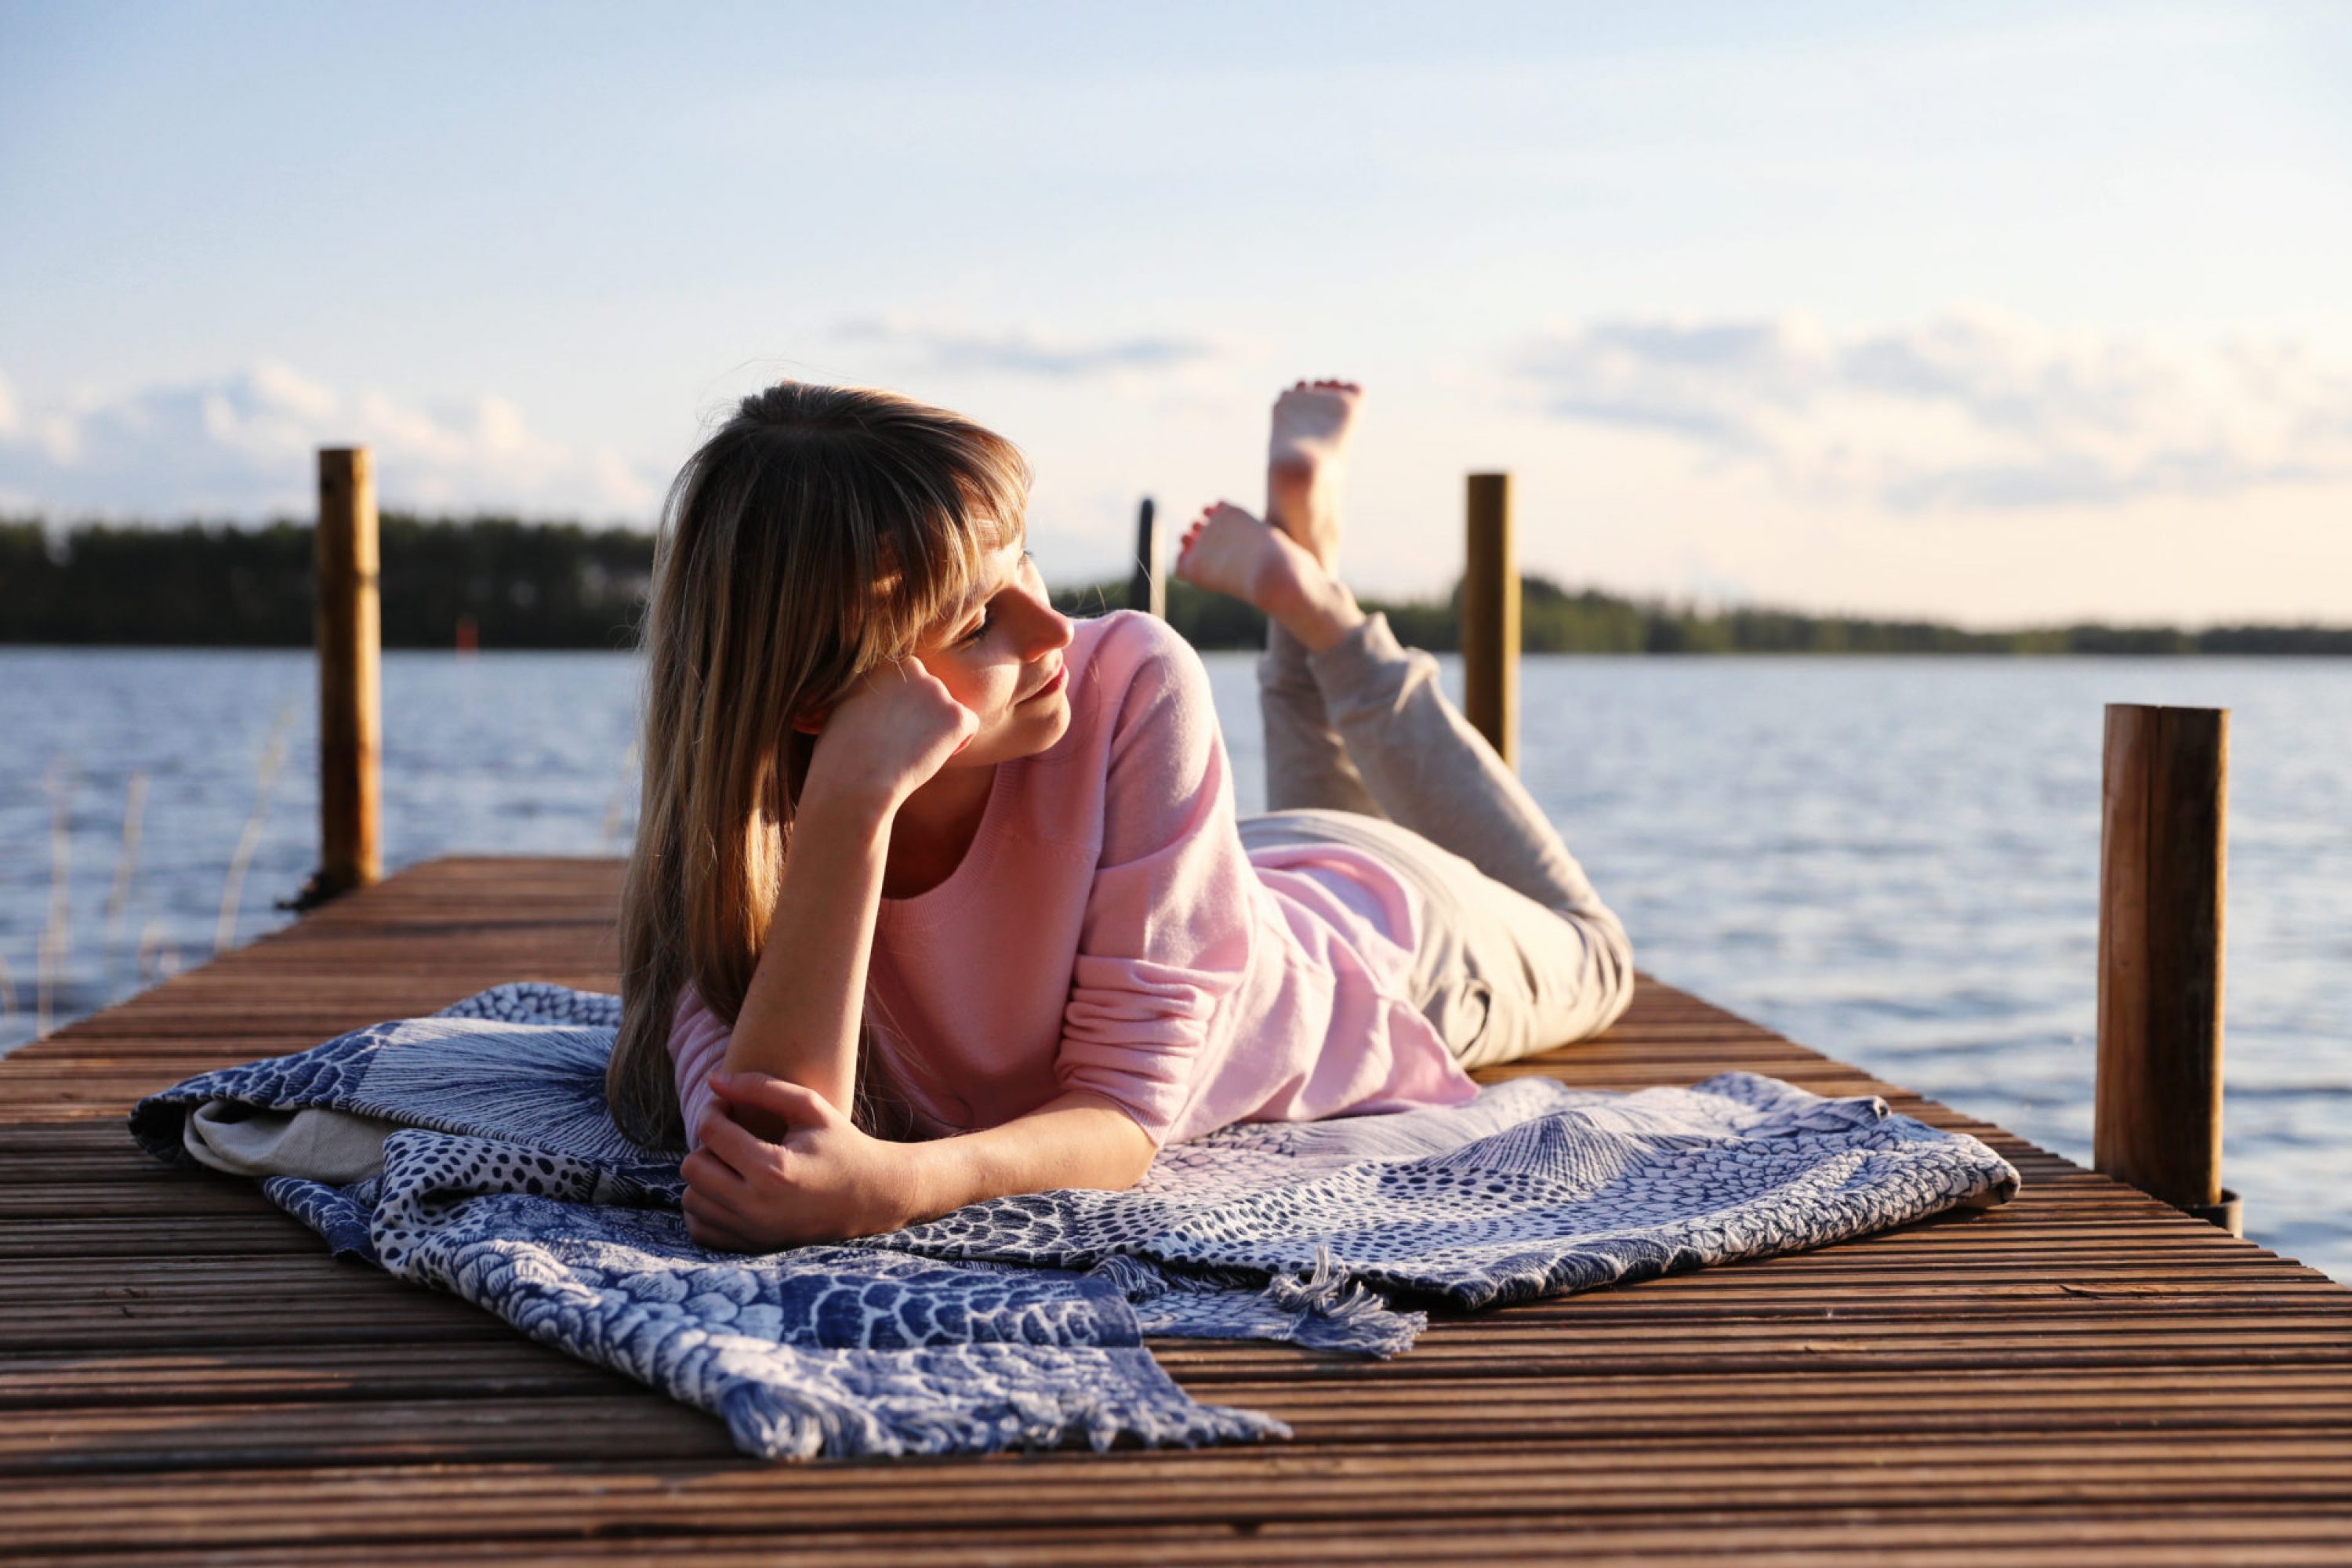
[2084, 1376]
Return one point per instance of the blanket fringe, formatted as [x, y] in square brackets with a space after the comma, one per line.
[1132, 1277]
[1325, 1310]
[1136, 1400]
[776, 1423]
[1337, 1313]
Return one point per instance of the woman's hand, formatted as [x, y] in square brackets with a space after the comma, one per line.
[897, 727]
[826, 1181]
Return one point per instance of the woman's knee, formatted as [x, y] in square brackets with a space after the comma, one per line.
[1592, 989]
[1612, 952]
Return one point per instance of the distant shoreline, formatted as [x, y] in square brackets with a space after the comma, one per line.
[508, 584]
[13, 644]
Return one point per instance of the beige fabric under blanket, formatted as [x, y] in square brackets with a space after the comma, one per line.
[336, 1146]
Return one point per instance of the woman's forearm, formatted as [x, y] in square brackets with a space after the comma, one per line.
[800, 1014]
[1080, 1140]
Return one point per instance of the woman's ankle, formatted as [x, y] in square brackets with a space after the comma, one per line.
[1321, 616]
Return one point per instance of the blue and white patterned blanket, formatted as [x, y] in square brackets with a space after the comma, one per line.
[1020, 1322]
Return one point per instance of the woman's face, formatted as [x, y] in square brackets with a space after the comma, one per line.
[1001, 658]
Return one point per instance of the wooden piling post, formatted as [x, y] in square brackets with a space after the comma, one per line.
[1148, 589]
[350, 714]
[1490, 618]
[2162, 864]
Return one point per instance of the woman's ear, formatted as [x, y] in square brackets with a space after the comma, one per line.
[810, 720]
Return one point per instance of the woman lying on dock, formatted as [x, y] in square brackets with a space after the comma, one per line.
[940, 896]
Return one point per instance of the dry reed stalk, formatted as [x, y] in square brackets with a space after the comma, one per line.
[126, 870]
[273, 756]
[154, 942]
[620, 797]
[55, 941]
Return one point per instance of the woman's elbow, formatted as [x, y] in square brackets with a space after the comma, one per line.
[1121, 1148]
[1133, 1150]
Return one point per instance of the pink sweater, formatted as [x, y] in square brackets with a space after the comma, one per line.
[1107, 931]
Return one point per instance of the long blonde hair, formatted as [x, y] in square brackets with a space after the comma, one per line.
[820, 531]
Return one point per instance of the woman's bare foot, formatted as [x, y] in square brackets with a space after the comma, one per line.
[1305, 464]
[1229, 551]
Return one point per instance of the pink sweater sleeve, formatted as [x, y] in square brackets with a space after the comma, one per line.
[1167, 931]
[697, 1045]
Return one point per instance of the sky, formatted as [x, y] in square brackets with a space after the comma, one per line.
[1997, 313]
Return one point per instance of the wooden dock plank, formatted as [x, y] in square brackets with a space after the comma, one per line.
[2084, 1375]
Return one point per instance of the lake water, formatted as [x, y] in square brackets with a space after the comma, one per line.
[1893, 860]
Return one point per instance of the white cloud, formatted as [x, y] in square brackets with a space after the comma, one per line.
[243, 444]
[1975, 411]
[1026, 353]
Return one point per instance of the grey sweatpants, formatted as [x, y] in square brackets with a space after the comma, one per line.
[1517, 952]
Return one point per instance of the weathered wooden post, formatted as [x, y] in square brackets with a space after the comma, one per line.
[2162, 860]
[1490, 618]
[351, 714]
[1148, 589]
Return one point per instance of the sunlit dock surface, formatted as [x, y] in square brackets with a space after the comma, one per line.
[2082, 1377]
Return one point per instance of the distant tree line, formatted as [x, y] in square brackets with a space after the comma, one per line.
[522, 585]
[560, 585]
[1553, 620]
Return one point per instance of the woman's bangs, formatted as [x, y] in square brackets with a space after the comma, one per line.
[924, 575]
